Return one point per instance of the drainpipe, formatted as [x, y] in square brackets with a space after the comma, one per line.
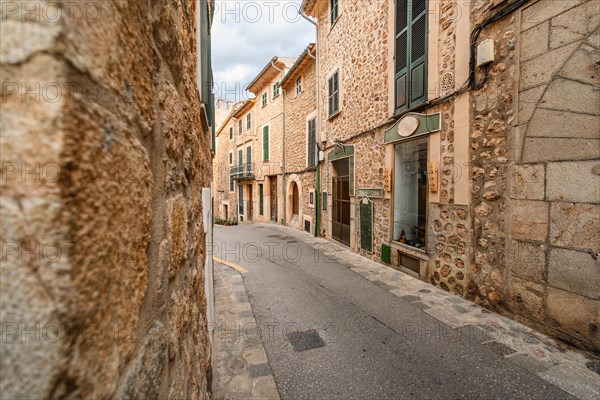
[318, 122]
[282, 143]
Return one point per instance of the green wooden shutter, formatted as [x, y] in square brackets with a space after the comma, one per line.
[401, 65]
[410, 75]
[418, 53]
[265, 143]
[261, 206]
[312, 143]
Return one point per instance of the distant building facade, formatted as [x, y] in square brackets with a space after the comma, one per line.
[455, 141]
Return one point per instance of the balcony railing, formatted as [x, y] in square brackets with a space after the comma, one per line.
[244, 171]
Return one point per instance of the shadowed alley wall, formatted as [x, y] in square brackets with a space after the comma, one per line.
[104, 157]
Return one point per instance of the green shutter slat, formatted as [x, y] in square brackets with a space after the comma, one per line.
[410, 76]
[265, 143]
[418, 54]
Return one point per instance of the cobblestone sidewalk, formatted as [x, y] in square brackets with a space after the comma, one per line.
[240, 366]
[574, 371]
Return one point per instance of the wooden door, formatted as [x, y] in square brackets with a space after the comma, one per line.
[273, 181]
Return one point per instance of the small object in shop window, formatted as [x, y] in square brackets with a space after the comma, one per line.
[403, 236]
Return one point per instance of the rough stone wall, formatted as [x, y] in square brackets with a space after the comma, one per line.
[361, 56]
[271, 114]
[450, 243]
[297, 110]
[535, 153]
[369, 155]
[357, 46]
[102, 244]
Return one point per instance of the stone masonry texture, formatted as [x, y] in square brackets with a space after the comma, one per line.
[102, 279]
[535, 154]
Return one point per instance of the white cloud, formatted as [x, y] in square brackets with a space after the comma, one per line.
[247, 34]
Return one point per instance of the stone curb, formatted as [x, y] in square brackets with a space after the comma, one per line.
[241, 369]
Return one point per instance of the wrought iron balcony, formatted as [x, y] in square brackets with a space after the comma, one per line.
[243, 172]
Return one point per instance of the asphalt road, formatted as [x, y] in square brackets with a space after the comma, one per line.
[373, 345]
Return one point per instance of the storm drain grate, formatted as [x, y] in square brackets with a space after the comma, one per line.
[305, 340]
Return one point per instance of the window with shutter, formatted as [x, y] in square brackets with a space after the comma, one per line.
[299, 85]
[410, 75]
[231, 133]
[312, 142]
[334, 10]
[276, 90]
[265, 143]
[240, 126]
[248, 122]
[265, 99]
[334, 93]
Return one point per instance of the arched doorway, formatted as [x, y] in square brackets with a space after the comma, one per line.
[295, 199]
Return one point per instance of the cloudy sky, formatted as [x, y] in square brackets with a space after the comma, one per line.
[246, 34]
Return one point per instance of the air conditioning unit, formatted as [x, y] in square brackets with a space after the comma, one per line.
[321, 156]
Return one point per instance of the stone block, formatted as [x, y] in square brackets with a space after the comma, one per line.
[575, 315]
[526, 298]
[527, 260]
[544, 10]
[535, 41]
[564, 124]
[574, 271]
[528, 102]
[21, 40]
[573, 181]
[582, 66]
[542, 69]
[575, 225]
[529, 220]
[594, 39]
[574, 24]
[527, 182]
[560, 149]
[567, 95]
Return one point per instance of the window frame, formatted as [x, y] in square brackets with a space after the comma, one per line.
[315, 156]
[248, 121]
[230, 133]
[427, 141]
[230, 158]
[265, 99]
[276, 89]
[406, 74]
[299, 85]
[330, 95]
[240, 126]
[334, 11]
[268, 147]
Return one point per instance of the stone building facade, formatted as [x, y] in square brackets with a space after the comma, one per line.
[268, 140]
[106, 150]
[300, 141]
[471, 188]
[226, 206]
[535, 146]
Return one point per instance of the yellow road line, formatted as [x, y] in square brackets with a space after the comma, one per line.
[238, 268]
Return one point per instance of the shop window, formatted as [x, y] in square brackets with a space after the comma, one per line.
[410, 193]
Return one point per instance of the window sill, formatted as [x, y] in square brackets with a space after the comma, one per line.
[411, 251]
[334, 115]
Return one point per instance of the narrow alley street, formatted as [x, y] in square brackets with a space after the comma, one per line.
[335, 325]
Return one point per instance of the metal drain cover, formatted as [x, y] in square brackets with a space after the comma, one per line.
[305, 340]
